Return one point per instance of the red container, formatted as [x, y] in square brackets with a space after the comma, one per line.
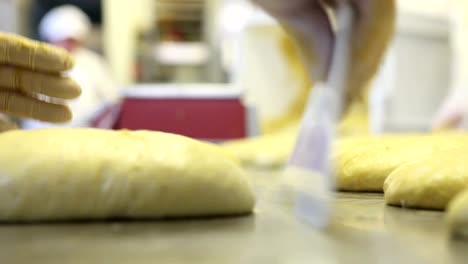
[207, 112]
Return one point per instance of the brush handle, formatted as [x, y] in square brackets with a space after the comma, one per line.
[338, 74]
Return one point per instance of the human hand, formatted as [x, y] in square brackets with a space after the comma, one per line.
[453, 114]
[31, 71]
[310, 23]
[6, 124]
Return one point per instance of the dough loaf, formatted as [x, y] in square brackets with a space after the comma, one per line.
[265, 151]
[62, 174]
[430, 182]
[363, 163]
[457, 215]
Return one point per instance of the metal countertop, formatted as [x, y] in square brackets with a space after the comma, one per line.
[364, 230]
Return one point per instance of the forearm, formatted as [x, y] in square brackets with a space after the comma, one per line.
[373, 32]
[6, 123]
[308, 22]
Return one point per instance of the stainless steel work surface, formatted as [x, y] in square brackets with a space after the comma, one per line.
[364, 231]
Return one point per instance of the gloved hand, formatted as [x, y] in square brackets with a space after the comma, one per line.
[31, 80]
[6, 124]
[453, 114]
[308, 21]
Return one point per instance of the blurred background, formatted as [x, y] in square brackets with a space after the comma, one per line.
[231, 45]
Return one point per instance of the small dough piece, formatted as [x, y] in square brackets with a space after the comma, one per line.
[266, 151]
[274, 149]
[429, 183]
[457, 215]
[64, 174]
[363, 163]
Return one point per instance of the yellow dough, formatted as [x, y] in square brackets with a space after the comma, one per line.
[457, 215]
[273, 149]
[363, 163]
[61, 174]
[430, 182]
[270, 150]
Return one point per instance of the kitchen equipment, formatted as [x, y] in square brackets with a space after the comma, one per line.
[309, 165]
[213, 112]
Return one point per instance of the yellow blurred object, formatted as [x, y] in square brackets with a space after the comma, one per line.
[20, 51]
[64, 174]
[429, 182]
[297, 106]
[356, 120]
[364, 163]
[6, 124]
[457, 215]
[271, 150]
[370, 43]
[30, 72]
[279, 133]
[445, 128]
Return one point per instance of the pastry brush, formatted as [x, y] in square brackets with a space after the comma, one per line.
[309, 168]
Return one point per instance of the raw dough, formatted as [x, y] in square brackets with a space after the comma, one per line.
[58, 174]
[363, 163]
[267, 151]
[273, 150]
[457, 215]
[430, 182]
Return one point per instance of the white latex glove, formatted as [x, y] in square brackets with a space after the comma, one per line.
[311, 26]
[454, 112]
